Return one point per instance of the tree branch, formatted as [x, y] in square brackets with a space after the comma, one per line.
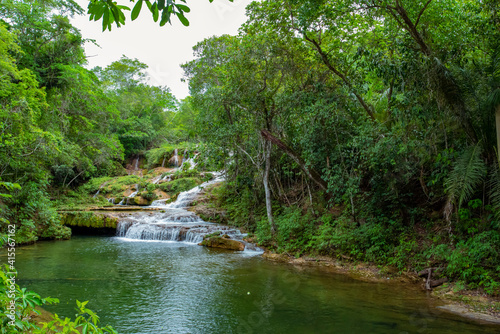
[330, 66]
[311, 173]
[422, 12]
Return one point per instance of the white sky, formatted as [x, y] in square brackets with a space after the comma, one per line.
[163, 49]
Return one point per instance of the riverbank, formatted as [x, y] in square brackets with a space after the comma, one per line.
[472, 304]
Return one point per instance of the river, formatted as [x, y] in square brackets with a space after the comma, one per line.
[157, 287]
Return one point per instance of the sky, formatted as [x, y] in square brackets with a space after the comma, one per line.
[163, 49]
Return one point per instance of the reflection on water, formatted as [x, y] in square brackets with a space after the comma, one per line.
[174, 287]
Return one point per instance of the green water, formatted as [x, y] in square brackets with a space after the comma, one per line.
[169, 287]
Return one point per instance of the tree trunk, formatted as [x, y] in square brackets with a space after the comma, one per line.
[269, 207]
[497, 116]
[311, 173]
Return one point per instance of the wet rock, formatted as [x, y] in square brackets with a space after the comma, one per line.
[182, 233]
[219, 242]
[139, 200]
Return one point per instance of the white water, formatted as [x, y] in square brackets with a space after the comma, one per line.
[156, 179]
[136, 165]
[125, 200]
[186, 197]
[192, 163]
[99, 190]
[176, 158]
[175, 224]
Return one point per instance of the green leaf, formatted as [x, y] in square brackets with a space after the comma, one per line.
[105, 20]
[165, 17]
[99, 13]
[136, 10]
[154, 10]
[183, 19]
[161, 4]
[183, 8]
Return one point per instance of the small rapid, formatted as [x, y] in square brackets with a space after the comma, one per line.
[174, 223]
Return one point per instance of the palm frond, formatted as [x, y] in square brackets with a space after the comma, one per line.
[467, 174]
[494, 184]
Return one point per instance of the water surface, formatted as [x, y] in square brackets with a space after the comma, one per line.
[174, 287]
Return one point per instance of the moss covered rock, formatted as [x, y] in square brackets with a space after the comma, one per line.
[88, 219]
[220, 242]
[180, 185]
[139, 200]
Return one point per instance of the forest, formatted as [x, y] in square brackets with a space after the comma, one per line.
[367, 130]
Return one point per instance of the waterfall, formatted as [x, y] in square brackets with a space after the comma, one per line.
[167, 231]
[186, 197]
[191, 161]
[163, 163]
[176, 158]
[136, 165]
[174, 223]
[125, 200]
[184, 157]
[99, 190]
[135, 192]
[111, 200]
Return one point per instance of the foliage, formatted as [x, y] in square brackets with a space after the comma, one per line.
[26, 304]
[62, 124]
[161, 10]
[380, 114]
[467, 174]
[162, 154]
[179, 185]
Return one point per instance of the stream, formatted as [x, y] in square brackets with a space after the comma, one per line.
[154, 278]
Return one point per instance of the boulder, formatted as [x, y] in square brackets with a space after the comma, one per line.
[139, 200]
[218, 242]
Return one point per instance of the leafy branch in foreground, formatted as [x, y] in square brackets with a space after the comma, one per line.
[110, 12]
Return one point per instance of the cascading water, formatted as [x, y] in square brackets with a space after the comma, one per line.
[191, 161]
[184, 157]
[174, 222]
[156, 179]
[176, 158]
[99, 190]
[125, 200]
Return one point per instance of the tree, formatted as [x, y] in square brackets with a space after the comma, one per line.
[143, 110]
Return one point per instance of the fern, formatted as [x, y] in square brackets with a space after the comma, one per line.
[467, 174]
[494, 184]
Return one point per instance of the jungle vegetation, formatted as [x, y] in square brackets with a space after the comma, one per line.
[363, 129]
